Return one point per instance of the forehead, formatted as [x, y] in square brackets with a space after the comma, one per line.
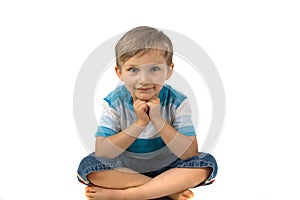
[150, 57]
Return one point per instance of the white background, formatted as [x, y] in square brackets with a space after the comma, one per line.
[255, 46]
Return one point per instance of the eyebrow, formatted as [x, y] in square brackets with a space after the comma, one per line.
[130, 65]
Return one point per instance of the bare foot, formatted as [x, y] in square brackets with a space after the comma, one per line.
[98, 193]
[185, 195]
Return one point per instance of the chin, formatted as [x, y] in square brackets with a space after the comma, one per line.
[144, 97]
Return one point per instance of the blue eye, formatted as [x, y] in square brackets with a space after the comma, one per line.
[155, 69]
[133, 70]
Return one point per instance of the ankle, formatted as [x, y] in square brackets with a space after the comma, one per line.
[131, 193]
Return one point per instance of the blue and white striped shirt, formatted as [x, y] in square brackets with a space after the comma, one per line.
[118, 114]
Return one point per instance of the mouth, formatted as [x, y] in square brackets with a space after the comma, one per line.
[143, 89]
[144, 93]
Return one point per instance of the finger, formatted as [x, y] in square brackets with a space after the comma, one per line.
[139, 103]
[155, 96]
[154, 100]
[143, 106]
[134, 98]
[149, 104]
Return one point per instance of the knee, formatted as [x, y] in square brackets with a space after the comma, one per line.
[211, 167]
[209, 161]
[95, 177]
[204, 173]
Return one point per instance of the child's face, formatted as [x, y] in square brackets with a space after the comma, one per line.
[144, 75]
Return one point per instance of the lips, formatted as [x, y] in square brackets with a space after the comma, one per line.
[144, 89]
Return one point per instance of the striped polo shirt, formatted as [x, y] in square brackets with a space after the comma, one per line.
[118, 114]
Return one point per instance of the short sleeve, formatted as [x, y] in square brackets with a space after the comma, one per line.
[109, 123]
[182, 119]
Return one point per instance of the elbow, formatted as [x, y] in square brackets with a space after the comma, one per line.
[98, 154]
[188, 155]
[104, 154]
[104, 148]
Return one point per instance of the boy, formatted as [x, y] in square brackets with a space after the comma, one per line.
[146, 145]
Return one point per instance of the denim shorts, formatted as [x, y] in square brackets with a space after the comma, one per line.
[91, 164]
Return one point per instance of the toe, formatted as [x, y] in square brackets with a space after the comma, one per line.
[189, 194]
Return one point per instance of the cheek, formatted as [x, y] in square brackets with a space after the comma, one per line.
[130, 83]
[158, 88]
[159, 80]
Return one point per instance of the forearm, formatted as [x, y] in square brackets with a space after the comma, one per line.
[182, 146]
[114, 145]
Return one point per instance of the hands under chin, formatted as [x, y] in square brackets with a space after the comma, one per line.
[148, 110]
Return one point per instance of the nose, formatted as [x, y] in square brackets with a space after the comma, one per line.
[144, 77]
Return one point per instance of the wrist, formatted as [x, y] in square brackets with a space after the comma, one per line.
[141, 123]
[134, 130]
[159, 123]
[157, 120]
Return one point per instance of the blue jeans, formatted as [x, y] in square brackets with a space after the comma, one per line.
[148, 167]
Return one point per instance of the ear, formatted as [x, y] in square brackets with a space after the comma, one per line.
[170, 71]
[119, 73]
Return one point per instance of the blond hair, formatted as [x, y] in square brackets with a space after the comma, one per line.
[141, 40]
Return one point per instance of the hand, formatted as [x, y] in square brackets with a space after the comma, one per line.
[140, 109]
[154, 108]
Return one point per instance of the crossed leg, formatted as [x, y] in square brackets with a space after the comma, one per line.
[126, 184]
